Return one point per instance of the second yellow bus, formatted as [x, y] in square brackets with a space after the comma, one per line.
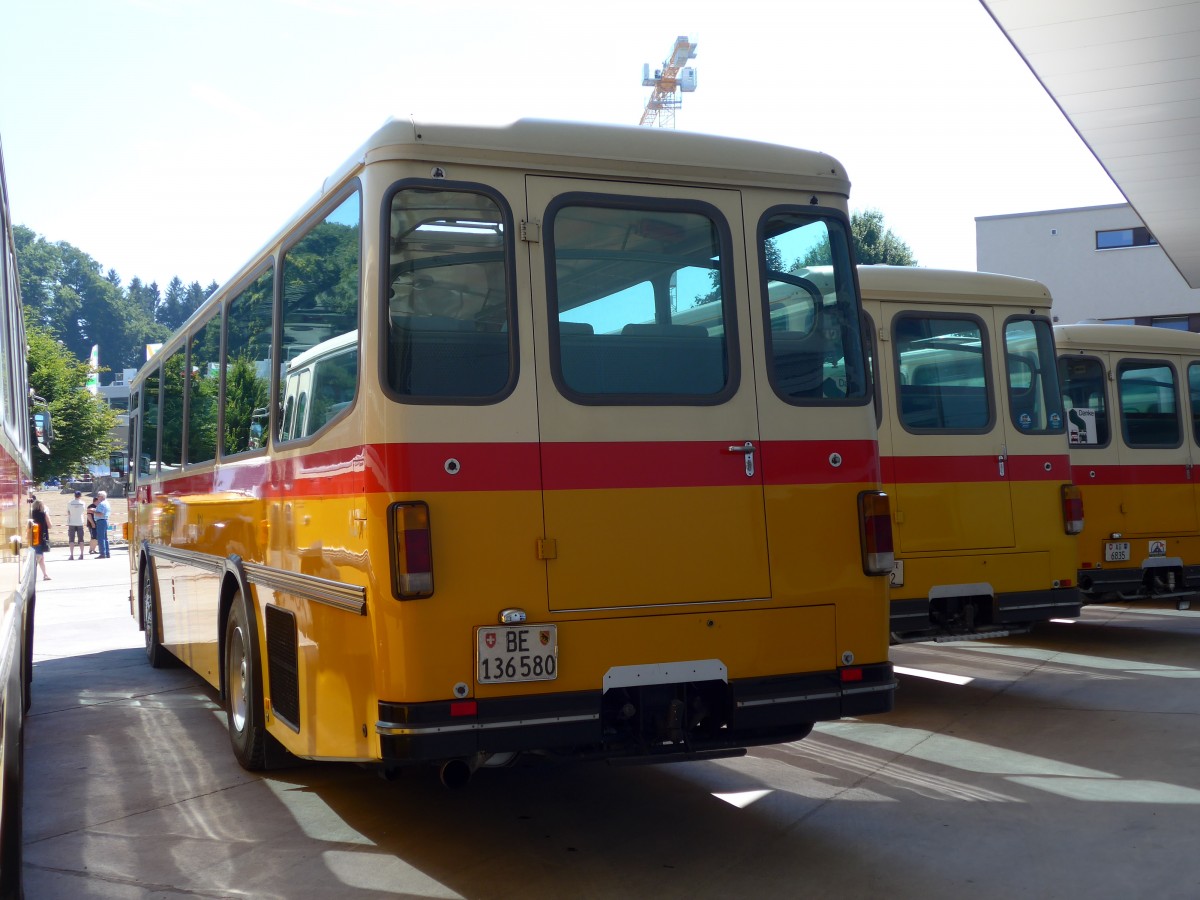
[974, 453]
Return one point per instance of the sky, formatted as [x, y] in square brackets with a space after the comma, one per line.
[175, 137]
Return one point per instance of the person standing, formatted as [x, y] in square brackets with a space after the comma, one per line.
[76, 516]
[41, 521]
[91, 527]
[101, 514]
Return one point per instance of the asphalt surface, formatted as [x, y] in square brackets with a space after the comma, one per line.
[1060, 764]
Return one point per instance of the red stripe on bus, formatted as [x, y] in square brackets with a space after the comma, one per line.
[821, 462]
[432, 468]
[458, 467]
[965, 469]
[1169, 474]
[652, 464]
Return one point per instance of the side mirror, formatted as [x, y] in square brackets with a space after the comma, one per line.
[43, 430]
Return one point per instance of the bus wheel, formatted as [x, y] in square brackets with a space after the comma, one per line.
[27, 668]
[156, 653]
[243, 689]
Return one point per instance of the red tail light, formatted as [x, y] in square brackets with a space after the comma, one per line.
[412, 550]
[875, 532]
[1072, 508]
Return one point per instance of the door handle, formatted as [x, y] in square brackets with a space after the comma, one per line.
[748, 450]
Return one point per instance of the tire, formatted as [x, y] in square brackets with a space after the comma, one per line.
[158, 655]
[243, 689]
[27, 668]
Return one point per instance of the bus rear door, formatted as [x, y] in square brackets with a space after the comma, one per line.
[948, 430]
[1154, 450]
[648, 421]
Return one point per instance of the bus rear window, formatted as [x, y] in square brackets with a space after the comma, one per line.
[449, 311]
[813, 330]
[1149, 404]
[1034, 400]
[941, 373]
[640, 301]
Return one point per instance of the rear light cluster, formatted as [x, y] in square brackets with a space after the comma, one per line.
[1072, 509]
[875, 532]
[412, 550]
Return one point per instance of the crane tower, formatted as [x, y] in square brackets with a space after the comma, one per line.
[669, 83]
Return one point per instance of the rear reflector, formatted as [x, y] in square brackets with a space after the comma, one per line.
[460, 708]
[854, 674]
[875, 532]
[412, 550]
[1072, 509]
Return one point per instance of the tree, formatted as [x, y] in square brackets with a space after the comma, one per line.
[64, 290]
[82, 423]
[876, 244]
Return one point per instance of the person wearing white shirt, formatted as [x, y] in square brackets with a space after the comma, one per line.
[76, 516]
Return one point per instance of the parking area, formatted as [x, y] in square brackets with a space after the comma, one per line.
[1056, 764]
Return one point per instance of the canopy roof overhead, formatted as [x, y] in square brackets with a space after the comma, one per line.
[1126, 73]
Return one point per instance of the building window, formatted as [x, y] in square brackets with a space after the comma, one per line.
[1177, 323]
[1124, 237]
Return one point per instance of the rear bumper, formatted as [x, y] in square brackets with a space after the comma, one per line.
[1136, 583]
[649, 721]
[923, 619]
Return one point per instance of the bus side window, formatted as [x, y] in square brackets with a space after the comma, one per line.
[1082, 381]
[1194, 398]
[202, 391]
[320, 310]
[1149, 411]
[246, 384]
[148, 464]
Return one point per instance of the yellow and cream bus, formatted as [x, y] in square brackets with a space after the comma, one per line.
[445, 473]
[974, 454]
[1132, 396]
[17, 569]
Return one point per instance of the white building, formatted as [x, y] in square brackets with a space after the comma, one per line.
[1099, 262]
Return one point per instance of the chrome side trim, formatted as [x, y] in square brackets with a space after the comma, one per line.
[196, 560]
[401, 728]
[347, 597]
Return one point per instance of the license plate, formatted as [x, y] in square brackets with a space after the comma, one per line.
[517, 653]
[1116, 551]
[896, 577]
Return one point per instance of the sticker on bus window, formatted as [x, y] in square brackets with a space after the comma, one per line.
[1081, 426]
[1025, 420]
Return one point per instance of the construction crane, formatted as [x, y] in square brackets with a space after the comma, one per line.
[669, 83]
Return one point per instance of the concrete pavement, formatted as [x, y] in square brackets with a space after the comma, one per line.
[1056, 765]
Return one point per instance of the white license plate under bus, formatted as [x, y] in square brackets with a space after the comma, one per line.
[517, 653]
[1116, 551]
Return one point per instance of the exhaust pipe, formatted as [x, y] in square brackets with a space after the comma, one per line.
[455, 773]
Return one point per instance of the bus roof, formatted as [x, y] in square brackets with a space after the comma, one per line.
[1097, 336]
[949, 286]
[575, 148]
[584, 147]
[326, 348]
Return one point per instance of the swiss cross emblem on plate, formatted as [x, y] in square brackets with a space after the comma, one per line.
[489, 638]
